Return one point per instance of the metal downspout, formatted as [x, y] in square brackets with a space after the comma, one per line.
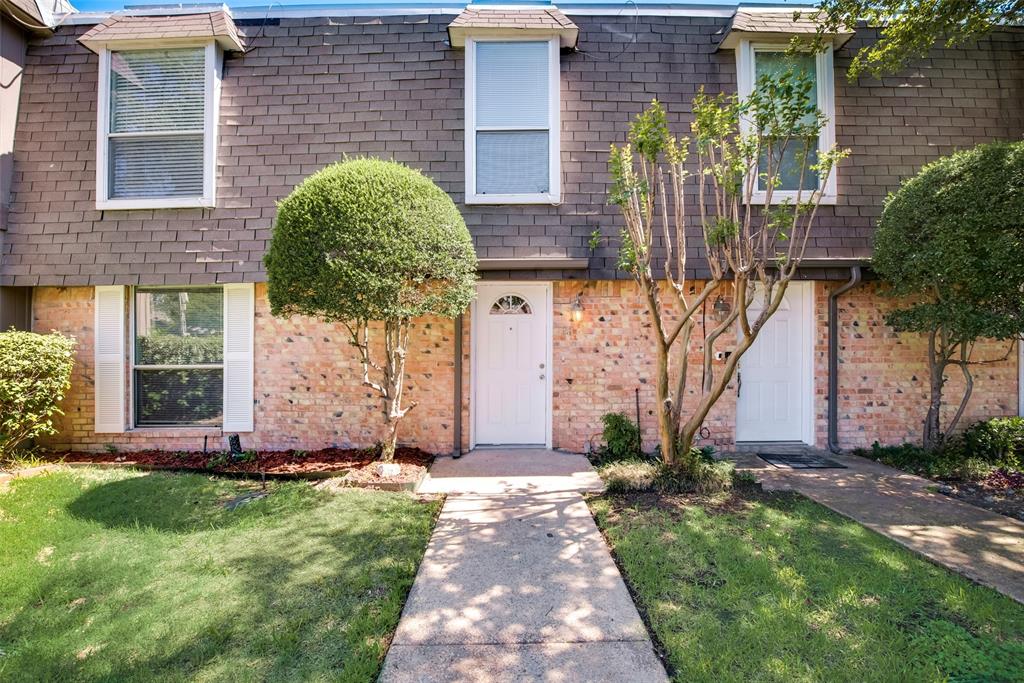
[833, 357]
[457, 422]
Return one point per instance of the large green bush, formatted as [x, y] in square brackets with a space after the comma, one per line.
[999, 441]
[621, 438]
[367, 239]
[949, 246]
[35, 374]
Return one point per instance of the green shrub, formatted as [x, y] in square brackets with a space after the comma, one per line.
[621, 438]
[35, 374]
[638, 475]
[999, 441]
[703, 477]
[626, 476]
[949, 462]
[367, 239]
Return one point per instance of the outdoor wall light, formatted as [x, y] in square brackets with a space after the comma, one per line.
[576, 310]
[720, 309]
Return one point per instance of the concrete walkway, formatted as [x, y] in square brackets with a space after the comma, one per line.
[982, 545]
[517, 583]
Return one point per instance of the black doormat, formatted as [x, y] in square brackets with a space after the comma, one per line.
[800, 461]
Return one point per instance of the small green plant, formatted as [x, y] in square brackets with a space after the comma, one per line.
[110, 448]
[744, 478]
[621, 438]
[180, 455]
[218, 460]
[300, 454]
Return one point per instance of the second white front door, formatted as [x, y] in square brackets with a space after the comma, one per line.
[511, 328]
[775, 382]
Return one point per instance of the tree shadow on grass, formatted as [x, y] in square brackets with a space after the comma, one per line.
[312, 593]
[175, 503]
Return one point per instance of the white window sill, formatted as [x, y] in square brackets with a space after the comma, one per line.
[760, 198]
[514, 199]
[175, 431]
[166, 203]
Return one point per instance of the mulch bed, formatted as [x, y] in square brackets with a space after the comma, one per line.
[356, 466]
[1001, 491]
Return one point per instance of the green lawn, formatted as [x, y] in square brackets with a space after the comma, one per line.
[778, 588]
[125, 576]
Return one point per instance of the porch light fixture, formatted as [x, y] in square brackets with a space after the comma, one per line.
[576, 310]
[720, 309]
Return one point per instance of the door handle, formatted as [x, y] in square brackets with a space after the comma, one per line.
[542, 375]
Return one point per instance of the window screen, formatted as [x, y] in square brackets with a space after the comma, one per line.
[157, 112]
[786, 159]
[179, 357]
[512, 118]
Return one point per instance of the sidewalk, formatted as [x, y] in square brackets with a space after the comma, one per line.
[517, 583]
[982, 545]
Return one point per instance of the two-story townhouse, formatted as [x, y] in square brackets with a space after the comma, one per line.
[152, 146]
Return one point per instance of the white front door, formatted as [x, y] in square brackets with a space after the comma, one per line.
[775, 400]
[511, 328]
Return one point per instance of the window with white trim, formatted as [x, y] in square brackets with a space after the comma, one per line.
[157, 127]
[754, 61]
[512, 115]
[178, 372]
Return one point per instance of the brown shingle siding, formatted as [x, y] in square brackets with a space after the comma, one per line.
[311, 91]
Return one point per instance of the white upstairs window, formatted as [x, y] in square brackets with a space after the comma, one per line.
[512, 122]
[157, 127]
[755, 61]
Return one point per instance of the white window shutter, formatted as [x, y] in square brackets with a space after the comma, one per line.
[239, 317]
[110, 359]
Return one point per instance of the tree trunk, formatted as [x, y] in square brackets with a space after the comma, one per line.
[390, 442]
[666, 429]
[936, 369]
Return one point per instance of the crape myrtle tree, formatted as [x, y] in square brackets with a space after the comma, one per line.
[751, 251]
[950, 245]
[371, 244]
[910, 29]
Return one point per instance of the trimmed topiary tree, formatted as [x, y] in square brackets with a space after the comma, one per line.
[35, 374]
[950, 245]
[366, 241]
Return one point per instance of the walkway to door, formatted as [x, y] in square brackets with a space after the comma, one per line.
[517, 583]
[982, 545]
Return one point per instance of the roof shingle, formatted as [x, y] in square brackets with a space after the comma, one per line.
[123, 29]
[775, 24]
[525, 22]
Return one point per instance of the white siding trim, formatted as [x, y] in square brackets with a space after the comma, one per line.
[239, 324]
[213, 65]
[554, 194]
[745, 81]
[109, 369]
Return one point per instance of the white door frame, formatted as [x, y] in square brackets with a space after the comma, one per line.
[807, 299]
[475, 313]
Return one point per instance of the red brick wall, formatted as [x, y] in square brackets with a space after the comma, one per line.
[883, 376]
[307, 385]
[308, 390]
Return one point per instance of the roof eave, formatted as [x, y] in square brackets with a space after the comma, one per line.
[457, 35]
[732, 39]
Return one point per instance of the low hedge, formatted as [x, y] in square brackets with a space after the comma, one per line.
[34, 377]
[999, 441]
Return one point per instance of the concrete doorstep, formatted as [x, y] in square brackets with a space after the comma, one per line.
[517, 583]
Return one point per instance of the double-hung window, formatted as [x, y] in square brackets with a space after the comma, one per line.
[178, 374]
[157, 127]
[791, 162]
[512, 129]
